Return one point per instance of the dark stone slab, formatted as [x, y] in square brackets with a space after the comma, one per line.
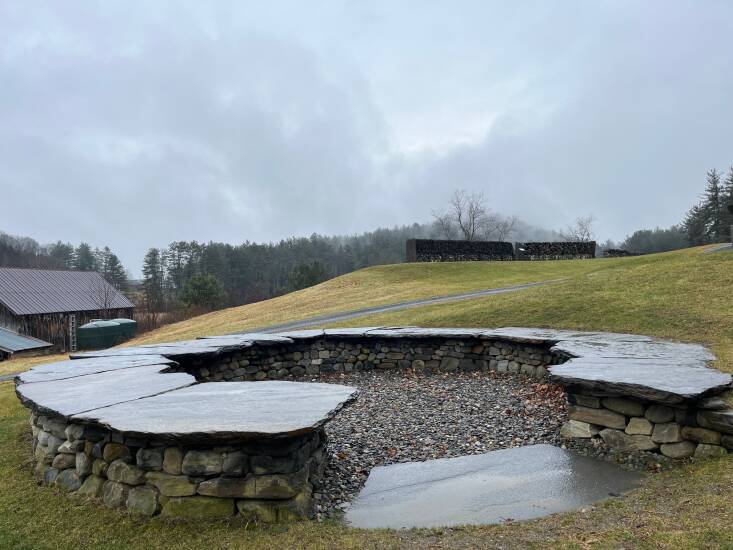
[552, 336]
[305, 334]
[69, 396]
[262, 338]
[665, 381]
[651, 349]
[81, 367]
[358, 332]
[228, 411]
[186, 348]
[721, 421]
[417, 332]
[519, 484]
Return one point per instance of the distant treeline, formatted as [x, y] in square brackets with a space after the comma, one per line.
[195, 276]
[708, 221]
[204, 276]
[26, 252]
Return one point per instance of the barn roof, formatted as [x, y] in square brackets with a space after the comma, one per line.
[35, 291]
[12, 342]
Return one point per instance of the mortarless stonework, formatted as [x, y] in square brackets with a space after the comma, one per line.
[147, 429]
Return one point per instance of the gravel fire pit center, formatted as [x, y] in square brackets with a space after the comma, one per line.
[152, 428]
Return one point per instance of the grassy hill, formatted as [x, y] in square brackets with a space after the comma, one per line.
[369, 287]
[683, 295]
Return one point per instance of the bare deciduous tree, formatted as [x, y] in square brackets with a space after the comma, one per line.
[444, 225]
[580, 231]
[102, 293]
[470, 213]
[503, 227]
[469, 217]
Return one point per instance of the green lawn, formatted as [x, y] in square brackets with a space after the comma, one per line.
[371, 287]
[682, 295]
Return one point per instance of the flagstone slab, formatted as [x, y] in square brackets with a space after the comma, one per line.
[69, 396]
[670, 381]
[59, 370]
[227, 411]
[511, 484]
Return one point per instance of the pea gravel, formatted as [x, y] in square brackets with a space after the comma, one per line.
[406, 417]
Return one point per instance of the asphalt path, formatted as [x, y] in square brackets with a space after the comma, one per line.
[345, 315]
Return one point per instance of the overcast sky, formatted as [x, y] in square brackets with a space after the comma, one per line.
[134, 124]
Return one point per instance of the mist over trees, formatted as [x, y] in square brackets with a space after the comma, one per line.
[192, 277]
[250, 272]
[26, 252]
[468, 217]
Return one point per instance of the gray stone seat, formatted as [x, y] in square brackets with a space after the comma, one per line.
[207, 427]
[634, 365]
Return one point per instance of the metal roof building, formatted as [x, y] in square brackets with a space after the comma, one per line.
[34, 291]
[12, 343]
[43, 303]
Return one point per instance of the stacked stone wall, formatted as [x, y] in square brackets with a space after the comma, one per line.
[272, 479]
[555, 251]
[430, 250]
[625, 424]
[269, 480]
[329, 356]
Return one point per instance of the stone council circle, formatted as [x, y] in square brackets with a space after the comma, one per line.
[152, 429]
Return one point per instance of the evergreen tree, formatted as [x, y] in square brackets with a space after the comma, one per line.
[307, 274]
[153, 280]
[63, 253]
[713, 207]
[84, 259]
[115, 274]
[203, 292]
[727, 200]
[696, 225]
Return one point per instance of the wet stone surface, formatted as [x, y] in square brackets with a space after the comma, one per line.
[235, 410]
[401, 417]
[511, 484]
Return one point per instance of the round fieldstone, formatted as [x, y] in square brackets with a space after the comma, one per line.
[576, 429]
[667, 433]
[68, 480]
[701, 435]
[627, 407]
[64, 461]
[202, 463]
[681, 449]
[639, 426]
[114, 495]
[150, 459]
[99, 467]
[123, 472]
[92, 486]
[621, 441]
[142, 500]
[659, 414]
[709, 451]
[114, 451]
[83, 464]
[198, 507]
[170, 485]
[584, 400]
[600, 417]
[235, 463]
[172, 460]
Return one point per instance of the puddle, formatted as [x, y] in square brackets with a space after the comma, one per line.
[519, 484]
